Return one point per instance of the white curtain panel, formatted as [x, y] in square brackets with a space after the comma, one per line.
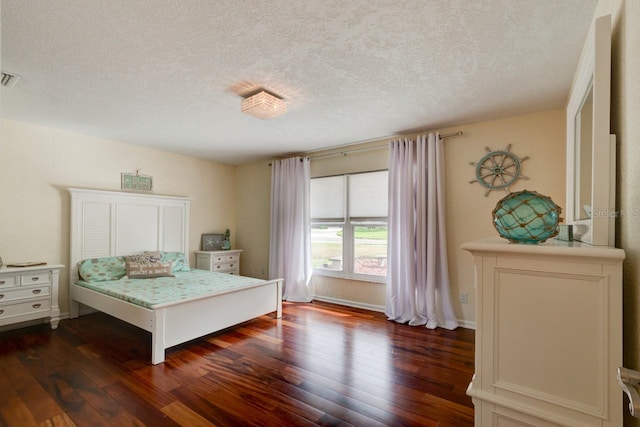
[290, 245]
[418, 275]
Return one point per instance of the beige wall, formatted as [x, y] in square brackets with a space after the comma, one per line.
[540, 136]
[253, 190]
[625, 123]
[37, 164]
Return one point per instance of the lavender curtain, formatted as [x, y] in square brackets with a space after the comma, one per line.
[418, 276]
[290, 246]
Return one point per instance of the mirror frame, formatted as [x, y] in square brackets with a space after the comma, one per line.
[593, 73]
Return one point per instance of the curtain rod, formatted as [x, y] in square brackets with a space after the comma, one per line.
[373, 147]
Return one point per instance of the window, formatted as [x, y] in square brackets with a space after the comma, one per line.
[349, 225]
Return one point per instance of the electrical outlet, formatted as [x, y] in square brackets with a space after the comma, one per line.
[464, 297]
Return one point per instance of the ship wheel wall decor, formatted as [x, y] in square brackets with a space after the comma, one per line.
[498, 170]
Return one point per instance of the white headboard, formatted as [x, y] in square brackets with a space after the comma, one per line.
[113, 223]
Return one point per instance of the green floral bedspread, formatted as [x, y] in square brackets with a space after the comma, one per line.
[150, 293]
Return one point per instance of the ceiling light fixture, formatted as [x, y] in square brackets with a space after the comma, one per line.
[264, 105]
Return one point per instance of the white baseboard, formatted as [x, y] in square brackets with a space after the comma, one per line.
[463, 323]
[349, 303]
[466, 324]
[20, 325]
[27, 323]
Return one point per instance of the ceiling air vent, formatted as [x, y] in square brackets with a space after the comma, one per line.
[9, 80]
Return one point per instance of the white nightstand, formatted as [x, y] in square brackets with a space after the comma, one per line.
[28, 293]
[220, 261]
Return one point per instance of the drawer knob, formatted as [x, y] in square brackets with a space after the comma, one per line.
[230, 265]
[2, 282]
[37, 291]
[36, 305]
[1, 311]
[1, 296]
[35, 279]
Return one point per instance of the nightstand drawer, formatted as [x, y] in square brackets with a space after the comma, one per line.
[224, 258]
[8, 281]
[225, 266]
[35, 278]
[25, 308]
[23, 293]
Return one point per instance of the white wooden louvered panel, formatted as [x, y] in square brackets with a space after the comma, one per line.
[173, 226]
[136, 228]
[97, 230]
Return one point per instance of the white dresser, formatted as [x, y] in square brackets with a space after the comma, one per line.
[220, 261]
[28, 293]
[548, 334]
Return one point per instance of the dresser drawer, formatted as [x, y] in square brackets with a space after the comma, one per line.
[35, 278]
[25, 308]
[23, 293]
[8, 281]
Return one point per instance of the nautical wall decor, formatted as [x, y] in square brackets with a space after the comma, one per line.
[498, 170]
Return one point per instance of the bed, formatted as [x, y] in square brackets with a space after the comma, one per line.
[115, 224]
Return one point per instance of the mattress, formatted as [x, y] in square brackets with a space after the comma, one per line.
[160, 291]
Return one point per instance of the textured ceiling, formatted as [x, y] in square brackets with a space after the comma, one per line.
[170, 74]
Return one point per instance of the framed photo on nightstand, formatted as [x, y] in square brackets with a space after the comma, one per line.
[212, 242]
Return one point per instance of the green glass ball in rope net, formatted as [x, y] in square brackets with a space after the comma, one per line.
[526, 217]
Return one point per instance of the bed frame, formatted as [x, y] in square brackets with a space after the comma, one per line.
[111, 223]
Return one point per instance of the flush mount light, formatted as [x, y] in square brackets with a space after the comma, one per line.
[264, 105]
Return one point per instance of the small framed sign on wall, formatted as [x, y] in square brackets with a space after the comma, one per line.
[136, 182]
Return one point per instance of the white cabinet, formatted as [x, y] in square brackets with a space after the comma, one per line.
[220, 261]
[29, 293]
[548, 334]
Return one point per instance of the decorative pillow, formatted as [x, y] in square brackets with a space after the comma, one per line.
[148, 270]
[178, 259]
[101, 269]
[144, 258]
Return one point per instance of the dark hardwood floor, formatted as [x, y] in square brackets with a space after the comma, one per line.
[321, 364]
